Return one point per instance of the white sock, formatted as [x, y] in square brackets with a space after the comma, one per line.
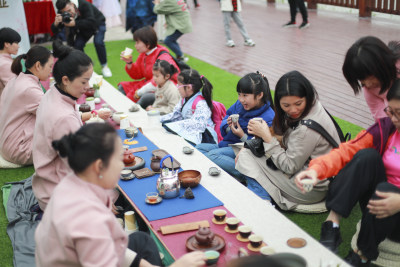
[335, 225]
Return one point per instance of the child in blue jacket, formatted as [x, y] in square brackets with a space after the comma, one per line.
[254, 100]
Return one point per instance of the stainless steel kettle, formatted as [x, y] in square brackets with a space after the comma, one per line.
[168, 184]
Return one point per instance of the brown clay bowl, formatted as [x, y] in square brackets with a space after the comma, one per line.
[189, 178]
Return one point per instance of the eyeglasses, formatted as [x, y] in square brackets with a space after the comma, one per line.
[390, 112]
[182, 85]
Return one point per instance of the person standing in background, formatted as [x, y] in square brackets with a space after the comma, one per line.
[231, 8]
[178, 21]
[294, 4]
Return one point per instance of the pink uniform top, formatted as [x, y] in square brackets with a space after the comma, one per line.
[55, 118]
[376, 102]
[5, 70]
[391, 160]
[18, 105]
[79, 229]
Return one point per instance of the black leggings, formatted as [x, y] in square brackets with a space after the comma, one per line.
[357, 182]
[145, 248]
[294, 4]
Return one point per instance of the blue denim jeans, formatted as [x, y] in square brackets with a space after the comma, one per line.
[171, 42]
[223, 157]
[254, 186]
[98, 41]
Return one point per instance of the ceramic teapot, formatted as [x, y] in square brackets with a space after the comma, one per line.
[168, 184]
[204, 236]
[129, 158]
[155, 163]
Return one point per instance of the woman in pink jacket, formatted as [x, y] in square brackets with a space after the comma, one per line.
[19, 102]
[78, 227]
[9, 45]
[56, 116]
[369, 66]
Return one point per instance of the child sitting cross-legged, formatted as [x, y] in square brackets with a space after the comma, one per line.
[254, 100]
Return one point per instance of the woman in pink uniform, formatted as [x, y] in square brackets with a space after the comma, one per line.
[9, 45]
[78, 227]
[56, 116]
[19, 102]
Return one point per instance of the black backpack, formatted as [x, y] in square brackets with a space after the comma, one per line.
[180, 63]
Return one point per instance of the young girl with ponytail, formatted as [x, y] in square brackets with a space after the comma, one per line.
[57, 117]
[166, 95]
[254, 100]
[19, 103]
[191, 117]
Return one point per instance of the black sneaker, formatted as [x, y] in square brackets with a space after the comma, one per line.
[290, 24]
[304, 24]
[355, 260]
[330, 237]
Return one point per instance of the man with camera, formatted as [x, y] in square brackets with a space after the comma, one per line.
[82, 20]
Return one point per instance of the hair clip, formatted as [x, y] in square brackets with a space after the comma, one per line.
[260, 73]
[201, 76]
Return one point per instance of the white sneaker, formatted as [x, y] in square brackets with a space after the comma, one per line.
[106, 72]
[230, 43]
[249, 42]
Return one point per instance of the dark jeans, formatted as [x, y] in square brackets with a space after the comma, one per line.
[145, 247]
[357, 182]
[98, 41]
[171, 42]
[294, 4]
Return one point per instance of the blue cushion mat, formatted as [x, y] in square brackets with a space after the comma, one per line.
[137, 189]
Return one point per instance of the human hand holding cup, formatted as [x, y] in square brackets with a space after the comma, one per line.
[309, 175]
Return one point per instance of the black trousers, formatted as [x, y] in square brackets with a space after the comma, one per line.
[294, 4]
[357, 182]
[145, 247]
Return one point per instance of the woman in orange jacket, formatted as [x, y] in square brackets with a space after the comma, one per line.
[367, 171]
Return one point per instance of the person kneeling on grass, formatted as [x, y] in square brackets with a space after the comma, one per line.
[254, 100]
[78, 226]
[367, 171]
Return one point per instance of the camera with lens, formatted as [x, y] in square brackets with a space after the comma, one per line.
[66, 17]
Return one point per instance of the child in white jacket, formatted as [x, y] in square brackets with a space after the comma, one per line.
[231, 8]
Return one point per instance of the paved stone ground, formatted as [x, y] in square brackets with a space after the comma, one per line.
[318, 52]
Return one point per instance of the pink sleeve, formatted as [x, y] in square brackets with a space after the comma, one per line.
[94, 242]
[33, 99]
[376, 103]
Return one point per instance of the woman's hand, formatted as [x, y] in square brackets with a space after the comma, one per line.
[195, 258]
[104, 114]
[136, 96]
[260, 129]
[149, 108]
[127, 59]
[156, 2]
[307, 174]
[236, 129]
[388, 205]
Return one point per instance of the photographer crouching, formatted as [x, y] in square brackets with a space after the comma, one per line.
[81, 21]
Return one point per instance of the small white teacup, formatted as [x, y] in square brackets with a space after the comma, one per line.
[235, 118]
[307, 184]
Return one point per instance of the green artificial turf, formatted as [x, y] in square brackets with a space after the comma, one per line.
[224, 84]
